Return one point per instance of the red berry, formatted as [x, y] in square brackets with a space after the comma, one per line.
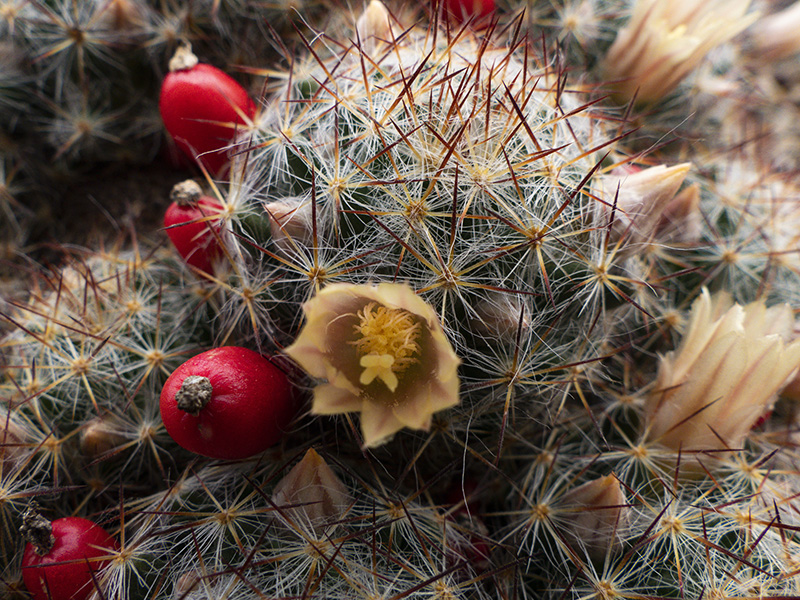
[190, 222]
[227, 403]
[64, 570]
[475, 11]
[201, 107]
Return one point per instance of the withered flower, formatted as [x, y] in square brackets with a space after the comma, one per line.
[383, 353]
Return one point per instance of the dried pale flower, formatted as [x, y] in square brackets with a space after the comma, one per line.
[374, 26]
[595, 513]
[776, 36]
[727, 372]
[384, 354]
[665, 40]
[639, 200]
[312, 494]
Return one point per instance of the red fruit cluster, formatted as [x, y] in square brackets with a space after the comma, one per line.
[68, 569]
[227, 403]
[202, 109]
[192, 223]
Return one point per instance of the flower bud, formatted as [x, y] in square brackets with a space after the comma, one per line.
[638, 201]
[311, 494]
[100, 436]
[776, 36]
[14, 440]
[500, 318]
[681, 220]
[726, 374]
[597, 511]
[374, 26]
[290, 223]
[665, 40]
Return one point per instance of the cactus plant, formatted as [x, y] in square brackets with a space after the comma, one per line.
[540, 312]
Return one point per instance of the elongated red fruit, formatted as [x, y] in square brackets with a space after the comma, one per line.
[202, 109]
[62, 559]
[228, 403]
[190, 222]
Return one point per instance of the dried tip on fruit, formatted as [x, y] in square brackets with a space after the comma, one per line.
[598, 511]
[194, 394]
[312, 494]
[185, 193]
[37, 530]
[183, 59]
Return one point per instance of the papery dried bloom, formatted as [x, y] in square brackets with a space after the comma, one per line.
[665, 40]
[776, 36]
[384, 354]
[595, 513]
[727, 372]
[639, 200]
[312, 494]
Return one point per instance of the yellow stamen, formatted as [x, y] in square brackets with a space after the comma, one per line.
[387, 342]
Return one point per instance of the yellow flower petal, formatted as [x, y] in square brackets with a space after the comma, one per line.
[383, 353]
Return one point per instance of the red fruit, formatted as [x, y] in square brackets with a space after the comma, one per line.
[63, 570]
[201, 107]
[227, 403]
[475, 11]
[190, 223]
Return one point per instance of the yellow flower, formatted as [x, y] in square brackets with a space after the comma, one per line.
[665, 40]
[726, 373]
[383, 353]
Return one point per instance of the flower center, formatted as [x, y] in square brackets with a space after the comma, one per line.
[387, 343]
